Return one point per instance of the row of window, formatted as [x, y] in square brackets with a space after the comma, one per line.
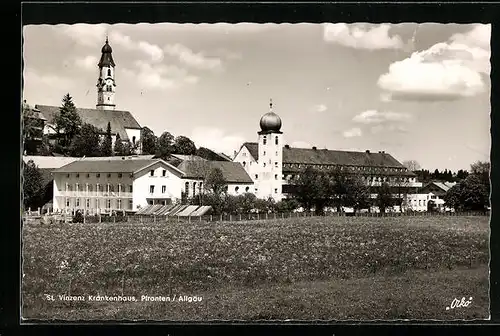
[152, 189]
[354, 168]
[264, 140]
[98, 187]
[96, 203]
[163, 173]
[98, 175]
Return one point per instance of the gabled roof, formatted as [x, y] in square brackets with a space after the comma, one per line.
[119, 120]
[253, 148]
[188, 157]
[110, 166]
[337, 157]
[444, 186]
[49, 162]
[233, 172]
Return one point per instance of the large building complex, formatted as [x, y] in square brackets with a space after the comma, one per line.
[274, 165]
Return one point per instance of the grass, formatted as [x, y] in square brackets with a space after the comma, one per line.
[301, 269]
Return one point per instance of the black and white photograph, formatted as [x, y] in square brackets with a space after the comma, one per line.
[255, 172]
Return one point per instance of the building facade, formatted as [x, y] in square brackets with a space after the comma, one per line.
[122, 122]
[274, 166]
[104, 185]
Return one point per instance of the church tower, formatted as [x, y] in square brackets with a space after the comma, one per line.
[270, 172]
[106, 81]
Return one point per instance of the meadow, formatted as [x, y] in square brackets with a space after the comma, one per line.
[316, 268]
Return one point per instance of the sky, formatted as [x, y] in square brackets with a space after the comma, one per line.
[417, 91]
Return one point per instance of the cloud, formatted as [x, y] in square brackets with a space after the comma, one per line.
[376, 117]
[87, 63]
[361, 36]
[55, 87]
[353, 132]
[33, 78]
[216, 139]
[159, 76]
[192, 59]
[154, 52]
[86, 34]
[446, 71]
[320, 108]
[392, 128]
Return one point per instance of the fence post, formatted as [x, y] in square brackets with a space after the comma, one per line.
[240, 217]
[221, 217]
[200, 218]
[210, 218]
[114, 219]
[100, 218]
[282, 215]
[266, 215]
[230, 217]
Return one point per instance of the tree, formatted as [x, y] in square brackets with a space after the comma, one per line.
[119, 148]
[384, 198]
[469, 194]
[165, 145]
[184, 145]
[32, 130]
[107, 142]
[215, 182]
[313, 189]
[149, 141]
[32, 185]
[86, 142]
[412, 165]
[356, 194]
[67, 122]
[481, 169]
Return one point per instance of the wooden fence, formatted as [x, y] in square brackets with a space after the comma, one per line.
[246, 217]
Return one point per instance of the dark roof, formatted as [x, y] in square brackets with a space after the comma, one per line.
[105, 166]
[106, 57]
[233, 172]
[253, 148]
[336, 157]
[119, 120]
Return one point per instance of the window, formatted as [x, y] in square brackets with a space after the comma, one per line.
[163, 189]
[264, 140]
[275, 176]
[87, 203]
[151, 189]
[256, 176]
[226, 188]
[130, 188]
[151, 173]
[120, 204]
[119, 175]
[186, 187]
[244, 154]
[77, 175]
[133, 140]
[67, 175]
[111, 188]
[108, 204]
[88, 175]
[109, 72]
[247, 189]
[194, 188]
[67, 202]
[275, 190]
[130, 204]
[264, 164]
[164, 172]
[276, 164]
[201, 186]
[109, 175]
[264, 153]
[90, 187]
[256, 189]
[276, 153]
[97, 175]
[108, 88]
[236, 189]
[276, 140]
[244, 163]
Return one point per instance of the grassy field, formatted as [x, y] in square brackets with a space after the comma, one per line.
[302, 269]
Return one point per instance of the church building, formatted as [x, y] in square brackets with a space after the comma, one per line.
[274, 165]
[122, 122]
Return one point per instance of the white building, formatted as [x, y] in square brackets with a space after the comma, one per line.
[121, 122]
[432, 192]
[103, 185]
[273, 165]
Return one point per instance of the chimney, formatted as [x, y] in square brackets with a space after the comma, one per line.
[287, 146]
[314, 148]
[367, 151]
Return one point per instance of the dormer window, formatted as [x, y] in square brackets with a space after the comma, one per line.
[109, 72]
[264, 140]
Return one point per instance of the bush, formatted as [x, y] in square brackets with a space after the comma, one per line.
[78, 217]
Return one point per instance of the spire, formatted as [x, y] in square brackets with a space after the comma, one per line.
[106, 58]
[106, 38]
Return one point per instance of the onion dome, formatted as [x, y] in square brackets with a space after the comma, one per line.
[270, 122]
[106, 58]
